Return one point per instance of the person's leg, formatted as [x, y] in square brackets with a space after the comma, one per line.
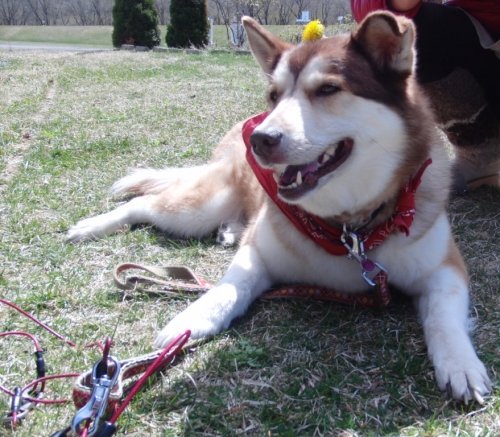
[462, 80]
[447, 39]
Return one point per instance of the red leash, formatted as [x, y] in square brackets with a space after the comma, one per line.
[97, 393]
[38, 322]
[108, 428]
[23, 399]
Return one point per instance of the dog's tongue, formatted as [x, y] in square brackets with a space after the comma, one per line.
[290, 174]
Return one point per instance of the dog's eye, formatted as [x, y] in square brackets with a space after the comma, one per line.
[327, 90]
[273, 95]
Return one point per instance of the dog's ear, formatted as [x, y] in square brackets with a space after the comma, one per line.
[389, 41]
[266, 48]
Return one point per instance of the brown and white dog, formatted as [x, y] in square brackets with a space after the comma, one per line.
[347, 129]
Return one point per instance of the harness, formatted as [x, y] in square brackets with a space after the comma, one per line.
[341, 241]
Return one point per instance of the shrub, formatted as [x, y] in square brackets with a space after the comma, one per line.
[135, 22]
[188, 24]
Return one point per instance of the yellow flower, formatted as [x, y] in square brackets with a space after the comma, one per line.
[314, 30]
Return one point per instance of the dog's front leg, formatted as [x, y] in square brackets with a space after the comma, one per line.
[443, 308]
[244, 281]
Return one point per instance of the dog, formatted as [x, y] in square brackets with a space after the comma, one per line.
[346, 144]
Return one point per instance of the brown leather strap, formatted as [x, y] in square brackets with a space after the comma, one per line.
[173, 280]
[158, 279]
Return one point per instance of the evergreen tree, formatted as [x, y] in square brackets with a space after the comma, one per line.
[188, 24]
[135, 22]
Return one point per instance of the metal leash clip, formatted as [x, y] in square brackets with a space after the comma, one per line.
[94, 410]
[354, 245]
[20, 407]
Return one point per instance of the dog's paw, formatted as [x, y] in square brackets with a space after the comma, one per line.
[200, 329]
[209, 315]
[199, 326]
[87, 229]
[90, 229]
[229, 233]
[464, 379]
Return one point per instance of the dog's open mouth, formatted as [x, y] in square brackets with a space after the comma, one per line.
[297, 180]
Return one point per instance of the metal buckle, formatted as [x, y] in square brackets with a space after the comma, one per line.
[356, 249]
[95, 409]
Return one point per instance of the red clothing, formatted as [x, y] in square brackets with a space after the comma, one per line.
[361, 8]
[487, 12]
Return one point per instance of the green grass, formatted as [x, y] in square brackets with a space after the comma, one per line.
[100, 36]
[70, 125]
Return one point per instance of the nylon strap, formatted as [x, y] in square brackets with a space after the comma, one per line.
[180, 281]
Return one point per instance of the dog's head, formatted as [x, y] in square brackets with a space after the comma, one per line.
[346, 128]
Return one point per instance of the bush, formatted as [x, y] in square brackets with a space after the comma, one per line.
[188, 24]
[135, 22]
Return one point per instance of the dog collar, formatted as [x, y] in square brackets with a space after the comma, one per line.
[331, 238]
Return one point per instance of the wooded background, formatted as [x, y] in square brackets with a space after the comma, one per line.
[98, 12]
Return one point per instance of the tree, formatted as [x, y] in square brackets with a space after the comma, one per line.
[188, 24]
[135, 22]
[9, 12]
[45, 12]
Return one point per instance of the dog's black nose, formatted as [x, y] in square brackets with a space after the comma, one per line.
[264, 142]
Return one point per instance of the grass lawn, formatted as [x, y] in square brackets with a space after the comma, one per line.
[70, 125]
[100, 36]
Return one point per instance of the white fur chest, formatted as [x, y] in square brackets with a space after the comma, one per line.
[291, 257]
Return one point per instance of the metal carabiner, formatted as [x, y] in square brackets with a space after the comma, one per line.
[20, 407]
[95, 409]
[353, 243]
[370, 270]
[356, 249]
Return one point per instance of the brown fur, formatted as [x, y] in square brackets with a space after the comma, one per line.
[454, 259]
[371, 98]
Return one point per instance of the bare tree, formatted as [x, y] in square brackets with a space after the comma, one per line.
[328, 10]
[101, 11]
[45, 12]
[282, 14]
[80, 11]
[226, 12]
[297, 6]
[229, 13]
[266, 10]
[223, 11]
[321, 10]
[98, 12]
[9, 12]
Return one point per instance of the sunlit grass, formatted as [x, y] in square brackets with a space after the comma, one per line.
[70, 126]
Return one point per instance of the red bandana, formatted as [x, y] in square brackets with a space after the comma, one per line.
[322, 233]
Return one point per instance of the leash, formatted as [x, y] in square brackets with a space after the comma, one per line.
[97, 393]
[25, 398]
[179, 281]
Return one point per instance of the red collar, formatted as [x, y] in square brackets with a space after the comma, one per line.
[322, 233]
